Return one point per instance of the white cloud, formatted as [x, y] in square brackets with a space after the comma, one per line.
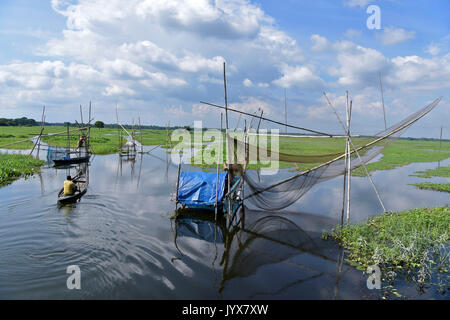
[300, 76]
[436, 47]
[391, 35]
[356, 64]
[433, 49]
[278, 42]
[252, 104]
[176, 111]
[319, 43]
[115, 90]
[247, 82]
[352, 33]
[221, 19]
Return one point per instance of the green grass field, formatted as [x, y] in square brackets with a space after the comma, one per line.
[400, 153]
[103, 141]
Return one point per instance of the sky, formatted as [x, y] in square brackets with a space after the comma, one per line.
[157, 59]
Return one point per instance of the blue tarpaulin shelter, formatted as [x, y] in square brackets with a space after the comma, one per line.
[198, 189]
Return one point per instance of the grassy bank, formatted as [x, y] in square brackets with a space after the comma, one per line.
[103, 141]
[412, 244]
[438, 172]
[15, 166]
[404, 152]
[442, 187]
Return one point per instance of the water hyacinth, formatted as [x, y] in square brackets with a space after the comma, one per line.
[15, 166]
[412, 245]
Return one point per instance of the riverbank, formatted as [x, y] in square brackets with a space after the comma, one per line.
[15, 166]
[410, 245]
[103, 141]
[442, 187]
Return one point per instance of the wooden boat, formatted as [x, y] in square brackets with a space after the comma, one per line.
[62, 162]
[81, 190]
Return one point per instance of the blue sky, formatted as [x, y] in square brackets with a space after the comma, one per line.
[157, 59]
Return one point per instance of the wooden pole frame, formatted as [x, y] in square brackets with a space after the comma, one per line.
[355, 150]
[218, 166]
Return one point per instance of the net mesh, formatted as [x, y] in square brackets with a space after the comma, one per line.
[57, 153]
[281, 194]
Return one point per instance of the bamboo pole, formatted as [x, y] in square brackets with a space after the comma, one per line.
[285, 110]
[226, 136]
[218, 164]
[259, 122]
[42, 126]
[178, 183]
[257, 132]
[68, 138]
[349, 159]
[140, 131]
[347, 153]
[37, 141]
[40, 134]
[81, 114]
[357, 153]
[89, 129]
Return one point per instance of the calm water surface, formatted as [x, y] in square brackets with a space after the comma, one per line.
[121, 236]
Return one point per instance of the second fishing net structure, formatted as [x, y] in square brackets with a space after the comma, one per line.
[284, 193]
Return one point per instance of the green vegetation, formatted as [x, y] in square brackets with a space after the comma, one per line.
[99, 124]
[400, 153]
[15, 166]
[17, 133]
[404, 152]
[411, 243]
[438, 172]
[103, 141]
[443, 187]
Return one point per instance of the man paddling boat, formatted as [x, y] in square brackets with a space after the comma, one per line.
[69, 186]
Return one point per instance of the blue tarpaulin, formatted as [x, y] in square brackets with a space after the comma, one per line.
[198, 189]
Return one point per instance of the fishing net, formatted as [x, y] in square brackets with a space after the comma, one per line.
[57, 153]
[278, 195]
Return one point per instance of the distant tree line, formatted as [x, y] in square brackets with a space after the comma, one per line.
[24, 121]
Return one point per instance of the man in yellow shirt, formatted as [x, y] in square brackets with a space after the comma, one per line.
[69, 187]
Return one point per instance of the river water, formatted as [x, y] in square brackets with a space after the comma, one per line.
[122, 238]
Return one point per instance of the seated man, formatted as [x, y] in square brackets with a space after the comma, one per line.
[81, 142]
[69, 187]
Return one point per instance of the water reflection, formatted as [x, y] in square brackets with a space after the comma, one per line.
[258, 239]
[122, 237]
